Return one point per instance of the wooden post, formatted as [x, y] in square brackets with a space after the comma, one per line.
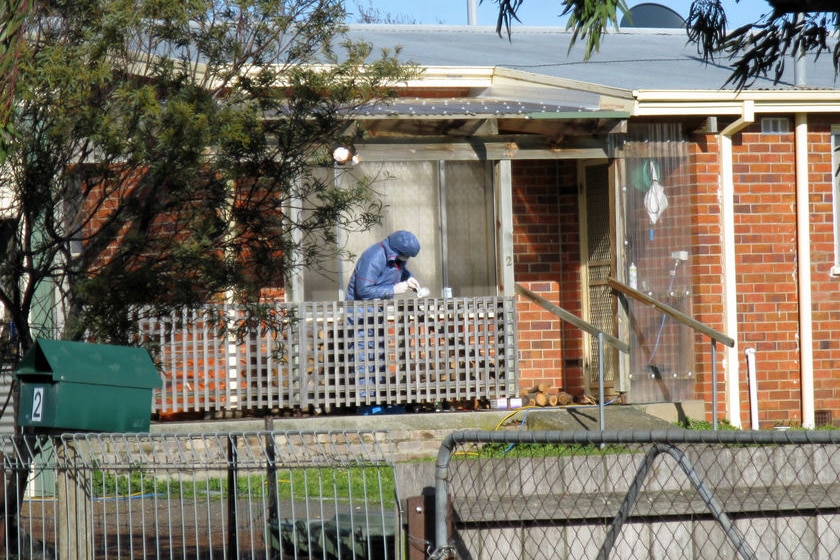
[73, 505]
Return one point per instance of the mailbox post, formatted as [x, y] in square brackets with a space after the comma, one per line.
[78, 387]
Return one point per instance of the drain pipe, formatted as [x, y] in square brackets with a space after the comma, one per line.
[803, 249]
[752, 378]
[730, 280]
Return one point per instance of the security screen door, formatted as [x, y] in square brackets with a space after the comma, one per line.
[596, 253]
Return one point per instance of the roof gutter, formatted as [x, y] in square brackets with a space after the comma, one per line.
[649, 103]
[730, 280]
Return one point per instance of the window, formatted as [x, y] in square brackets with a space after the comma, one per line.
[449, 206]
[775, 125]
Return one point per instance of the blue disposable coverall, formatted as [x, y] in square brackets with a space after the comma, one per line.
[380, 267]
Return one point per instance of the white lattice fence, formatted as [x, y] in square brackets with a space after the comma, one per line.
[328, 355]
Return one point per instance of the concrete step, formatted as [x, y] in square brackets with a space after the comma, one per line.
[616, 417]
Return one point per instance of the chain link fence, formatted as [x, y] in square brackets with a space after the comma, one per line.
[673, 494]
[499, 494]
[325, 495]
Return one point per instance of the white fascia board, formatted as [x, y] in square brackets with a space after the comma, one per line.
[522, 77]
[553, 89]
[506, 82]
[453, 76]
[701, 103]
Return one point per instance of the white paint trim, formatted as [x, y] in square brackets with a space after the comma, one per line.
[803, 241]
[730, 280]
[504, 234]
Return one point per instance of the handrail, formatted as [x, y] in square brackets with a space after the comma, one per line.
[570, 317]
[684, 319]
[602, 337]
[678, 316]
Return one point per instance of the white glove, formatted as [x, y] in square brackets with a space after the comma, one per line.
[400, 288]
[413, 283]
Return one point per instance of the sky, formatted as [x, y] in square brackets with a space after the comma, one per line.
[540, 13]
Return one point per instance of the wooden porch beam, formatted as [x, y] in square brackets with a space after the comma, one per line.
[483, 148]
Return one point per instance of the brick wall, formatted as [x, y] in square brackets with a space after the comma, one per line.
[766, 270]
[825, 288]
[546, 242]
[765, 248]
[547, 261]
[707, 264]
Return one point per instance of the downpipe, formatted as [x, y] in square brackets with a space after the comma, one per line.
[753, 386]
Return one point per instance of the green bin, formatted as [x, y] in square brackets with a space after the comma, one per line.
[360, 535]
[79, 387]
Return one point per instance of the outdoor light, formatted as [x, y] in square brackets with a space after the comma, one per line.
[343, 155]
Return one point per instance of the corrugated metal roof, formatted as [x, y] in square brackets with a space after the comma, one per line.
[457, 107]
[631, 59]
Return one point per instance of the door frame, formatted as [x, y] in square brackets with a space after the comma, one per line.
[613, 381]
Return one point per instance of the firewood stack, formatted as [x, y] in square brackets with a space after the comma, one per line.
[543, 395]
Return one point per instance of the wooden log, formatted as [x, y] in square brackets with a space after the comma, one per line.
[586, 399]
[540, 399]
[563, 398]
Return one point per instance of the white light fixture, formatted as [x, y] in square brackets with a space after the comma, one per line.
[343, 155]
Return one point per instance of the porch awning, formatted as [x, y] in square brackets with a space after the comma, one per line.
[476, 128]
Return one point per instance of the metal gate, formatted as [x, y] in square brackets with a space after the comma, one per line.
[638, 495]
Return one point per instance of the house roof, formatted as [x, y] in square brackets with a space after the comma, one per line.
[483, 96]
[631, 59]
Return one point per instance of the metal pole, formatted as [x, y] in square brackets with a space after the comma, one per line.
[715, 507]
[441, 543]
[601, 378]
[233, 522]
[714, 385]
[472, 12]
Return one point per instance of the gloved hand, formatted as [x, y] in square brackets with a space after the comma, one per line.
[400, 288]
[413, 283]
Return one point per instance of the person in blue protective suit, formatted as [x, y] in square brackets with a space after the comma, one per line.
[381, 271]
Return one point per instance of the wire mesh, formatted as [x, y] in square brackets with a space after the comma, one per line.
[671, 494]
[326, 495]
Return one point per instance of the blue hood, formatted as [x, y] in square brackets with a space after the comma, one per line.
[404, 243]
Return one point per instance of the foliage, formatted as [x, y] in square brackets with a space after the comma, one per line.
[588, 19]
[12, 14]
[542, 450]
[173, 153]
[705, 425]
[368, 13]
[338, 483]
[759, 49]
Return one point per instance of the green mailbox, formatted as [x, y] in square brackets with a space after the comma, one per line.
[76, 386]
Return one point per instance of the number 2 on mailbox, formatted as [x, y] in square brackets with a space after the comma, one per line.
[37, 404]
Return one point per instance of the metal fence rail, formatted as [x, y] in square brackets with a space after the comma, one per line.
[669, 494]
[328, 355]
[291, 495]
